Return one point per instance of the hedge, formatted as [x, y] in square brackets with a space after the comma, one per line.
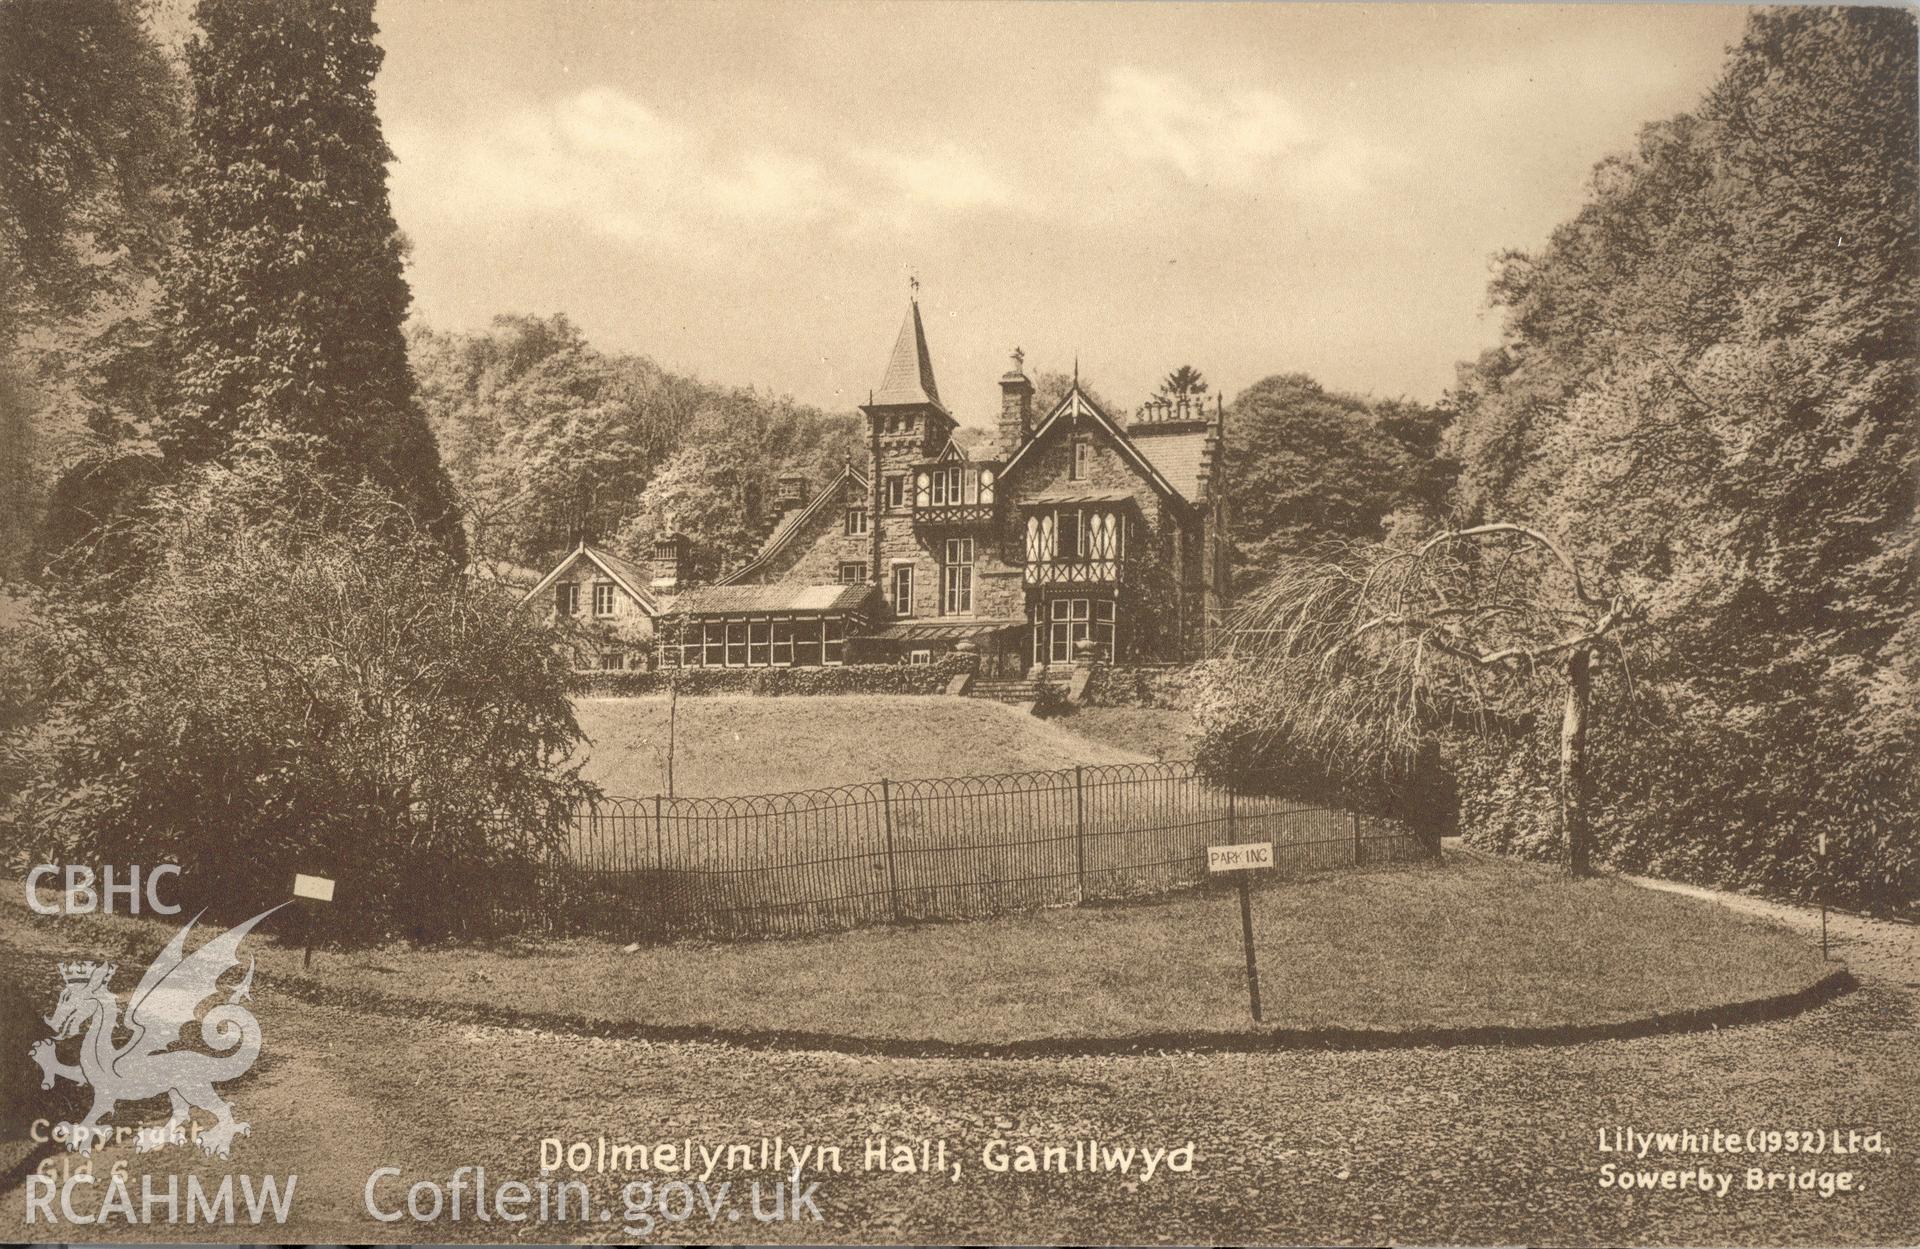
[930, 678]
[1686, 792]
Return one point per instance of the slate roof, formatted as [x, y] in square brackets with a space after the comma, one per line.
[625, 569]
[943, 630]
[1177, 450]
[909, 375]
[631, 577]
[1074, 494]
[727, 600]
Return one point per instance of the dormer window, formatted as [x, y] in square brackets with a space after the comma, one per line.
[1082, 459]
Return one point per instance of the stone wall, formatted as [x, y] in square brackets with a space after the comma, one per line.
[1140, 685]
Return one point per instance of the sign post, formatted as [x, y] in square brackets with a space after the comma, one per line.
[1823, 897]
[1246, 857]
[313, 889]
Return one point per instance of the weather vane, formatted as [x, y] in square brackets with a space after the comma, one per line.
[913, 284]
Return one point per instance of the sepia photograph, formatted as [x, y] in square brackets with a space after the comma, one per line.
[997, 622]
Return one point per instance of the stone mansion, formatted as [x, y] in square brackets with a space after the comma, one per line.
[1078, 534]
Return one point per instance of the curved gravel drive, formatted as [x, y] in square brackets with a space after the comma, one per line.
[1469, 1145]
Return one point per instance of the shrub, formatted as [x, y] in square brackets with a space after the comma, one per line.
[1243, 744]
[298, 681]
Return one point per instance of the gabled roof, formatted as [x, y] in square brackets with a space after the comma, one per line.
[1076, 405]
[909, 375]
[720, 600]
[624, 573]
[794, 521]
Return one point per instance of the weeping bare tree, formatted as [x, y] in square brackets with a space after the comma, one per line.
[1370, 650]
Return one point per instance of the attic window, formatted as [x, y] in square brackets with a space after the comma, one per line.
[856, 520]
[566, 598]
[1082, 458]
[603, 598]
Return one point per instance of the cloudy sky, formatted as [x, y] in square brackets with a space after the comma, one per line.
[742, 191]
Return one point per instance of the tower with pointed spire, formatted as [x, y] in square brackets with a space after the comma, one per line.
[907, 401]
[906, 425]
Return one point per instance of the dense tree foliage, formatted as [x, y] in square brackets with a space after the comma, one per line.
[720, 488]
[1708, 384]
[1050, 386]
[1310, 465]
[549, 439]
[545, 438]
[288, 302]
[298, 681]
[90, 112]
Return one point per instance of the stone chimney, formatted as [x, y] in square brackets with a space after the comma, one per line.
[790, 491]
[669, 562]
[1016, 407]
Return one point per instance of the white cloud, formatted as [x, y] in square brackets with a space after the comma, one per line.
[774, 186]
[615, 166]
[944, 177]
[1246, 138]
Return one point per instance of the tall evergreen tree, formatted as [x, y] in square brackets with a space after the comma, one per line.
[289, 300]
[89, 146]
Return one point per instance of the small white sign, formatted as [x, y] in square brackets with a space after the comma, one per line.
[319, 888]
[1243, 857]
[1823, 843]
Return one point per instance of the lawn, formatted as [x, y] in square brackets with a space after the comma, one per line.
[1467, 942]
[1156, 732]
[727, 745]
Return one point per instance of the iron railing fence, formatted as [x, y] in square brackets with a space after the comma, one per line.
[891, 851]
